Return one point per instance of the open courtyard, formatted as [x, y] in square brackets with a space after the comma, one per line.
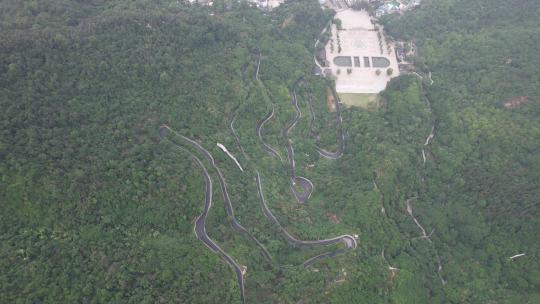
[358, 55]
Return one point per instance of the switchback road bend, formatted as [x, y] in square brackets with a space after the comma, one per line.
[200, 222]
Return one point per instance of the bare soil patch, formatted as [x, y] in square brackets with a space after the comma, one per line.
[515, 102]
[330, 100]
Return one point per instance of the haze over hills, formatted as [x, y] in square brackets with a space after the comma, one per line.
[114, 188]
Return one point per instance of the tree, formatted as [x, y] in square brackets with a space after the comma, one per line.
[338, 24]
[378, 72]
[164, 77]
[389, 71]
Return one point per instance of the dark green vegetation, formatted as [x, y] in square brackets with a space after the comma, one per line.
[482, 191]
[95, 209]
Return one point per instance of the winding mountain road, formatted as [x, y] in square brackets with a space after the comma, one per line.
[228, 204]
[200, 222]
[267, 117]
[296, 181]
[348, 240]
[312, 112]
[297, 115]
[258, 129]
[340, 136]
[256, 76]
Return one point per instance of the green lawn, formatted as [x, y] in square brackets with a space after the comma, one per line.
[363, 100]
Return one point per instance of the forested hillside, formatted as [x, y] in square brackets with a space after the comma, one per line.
[95, 208]
[482, 189]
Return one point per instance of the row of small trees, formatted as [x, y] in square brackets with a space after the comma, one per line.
[389, 71]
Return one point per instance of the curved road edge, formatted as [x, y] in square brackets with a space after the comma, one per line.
[349, 240]
[340, 136]
[258, 130]
[200, 223]
[225, 193]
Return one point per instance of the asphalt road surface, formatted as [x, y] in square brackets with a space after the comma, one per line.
[340, 136]
[258, 129]
[200, 222]
[348, 240]
[296, 181]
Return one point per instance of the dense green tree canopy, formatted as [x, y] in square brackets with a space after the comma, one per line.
[95, 208]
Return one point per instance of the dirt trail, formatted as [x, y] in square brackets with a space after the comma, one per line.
[393, 270]
[410, 212]
[426, 237]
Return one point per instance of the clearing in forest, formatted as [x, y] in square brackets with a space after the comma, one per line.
[362, 100]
